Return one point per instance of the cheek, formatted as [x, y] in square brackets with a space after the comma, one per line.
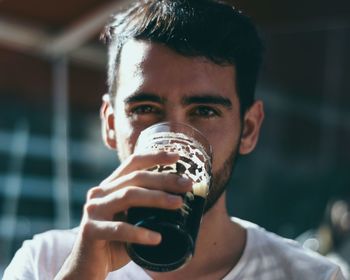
[223, 144]
[126, 136]
[125, 146]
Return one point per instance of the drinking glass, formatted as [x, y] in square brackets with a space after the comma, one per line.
[179, 228]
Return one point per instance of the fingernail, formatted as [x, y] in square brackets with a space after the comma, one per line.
[154, 237]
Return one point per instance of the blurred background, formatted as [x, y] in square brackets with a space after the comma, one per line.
[52, 78]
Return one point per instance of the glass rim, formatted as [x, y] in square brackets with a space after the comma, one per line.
[195, 133]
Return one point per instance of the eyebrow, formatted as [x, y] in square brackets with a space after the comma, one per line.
[208, 99]
[144, 96]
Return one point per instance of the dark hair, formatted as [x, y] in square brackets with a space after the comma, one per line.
[206, 28]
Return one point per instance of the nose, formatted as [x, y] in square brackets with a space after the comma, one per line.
[174, 114]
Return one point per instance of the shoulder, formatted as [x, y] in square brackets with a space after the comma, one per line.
[50, 244]
[55, 238]
[42, 256]
[285, 257]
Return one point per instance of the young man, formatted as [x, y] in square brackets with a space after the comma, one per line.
[189, 61]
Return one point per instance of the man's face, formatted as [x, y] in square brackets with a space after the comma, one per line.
[156, 84]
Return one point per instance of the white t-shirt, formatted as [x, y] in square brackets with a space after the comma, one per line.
[265, 257]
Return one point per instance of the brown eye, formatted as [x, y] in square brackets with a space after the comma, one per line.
[144, 109]
[205, 112]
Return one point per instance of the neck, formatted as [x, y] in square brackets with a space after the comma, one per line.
[224, 239]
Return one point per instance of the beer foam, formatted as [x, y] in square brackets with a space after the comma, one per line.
[194, 161]
[200, 189]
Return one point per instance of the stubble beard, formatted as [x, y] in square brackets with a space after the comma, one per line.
[221, 179]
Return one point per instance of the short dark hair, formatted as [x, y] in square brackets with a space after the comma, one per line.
[194, 28]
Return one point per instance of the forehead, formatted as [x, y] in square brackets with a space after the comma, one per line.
[156, 68]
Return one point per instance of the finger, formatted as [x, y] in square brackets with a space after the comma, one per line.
[120, 231]
[142, 161]
[151, 180]
[106, 207]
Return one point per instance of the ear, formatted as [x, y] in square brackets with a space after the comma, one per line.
[107, 123]
[252, 121]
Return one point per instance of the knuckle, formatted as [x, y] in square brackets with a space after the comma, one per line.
[132, 176]
[105, 181]
[138, 175]
[134, 159]
[87, 229]
[90, 207]
[126, 194]
[93, 193]
[118, 228]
